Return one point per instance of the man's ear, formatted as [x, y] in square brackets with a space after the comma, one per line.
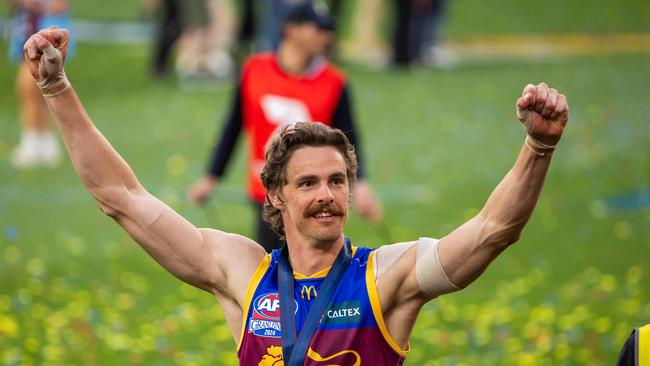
[276, 199]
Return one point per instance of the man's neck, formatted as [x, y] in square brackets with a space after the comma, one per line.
[292, 59]
[310, 258]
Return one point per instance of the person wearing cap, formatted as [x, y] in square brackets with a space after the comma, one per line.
[294, 84]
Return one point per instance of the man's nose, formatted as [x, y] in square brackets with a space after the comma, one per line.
[325, 194]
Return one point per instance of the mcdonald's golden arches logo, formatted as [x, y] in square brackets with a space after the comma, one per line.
[307, 292]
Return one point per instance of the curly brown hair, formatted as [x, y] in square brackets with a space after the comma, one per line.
[290, 139]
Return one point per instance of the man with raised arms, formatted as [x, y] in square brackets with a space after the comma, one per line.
[344, 304]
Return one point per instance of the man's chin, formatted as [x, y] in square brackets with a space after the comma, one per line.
[327, 236]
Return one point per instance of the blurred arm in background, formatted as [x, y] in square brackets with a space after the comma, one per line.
[364, 200]
[199, 193]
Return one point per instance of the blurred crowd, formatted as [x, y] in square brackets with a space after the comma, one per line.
[213, 36]
[198, 40]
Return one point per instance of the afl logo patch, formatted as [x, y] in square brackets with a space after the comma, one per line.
[265, 319]
[267, 305]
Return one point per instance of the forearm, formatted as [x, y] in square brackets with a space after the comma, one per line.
[467, 251]
[512, 202]
[100, 168]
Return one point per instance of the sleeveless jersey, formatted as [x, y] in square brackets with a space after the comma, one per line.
[351, 333]
[24, 23]
[272, 99]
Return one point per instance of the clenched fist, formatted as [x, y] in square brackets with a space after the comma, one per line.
[45, 54]
[544, 112]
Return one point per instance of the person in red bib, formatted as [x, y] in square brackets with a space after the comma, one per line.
[276, 89]
[320, 300]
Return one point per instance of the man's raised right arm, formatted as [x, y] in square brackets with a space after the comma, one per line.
[196, 256]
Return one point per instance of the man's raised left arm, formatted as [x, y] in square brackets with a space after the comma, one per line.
[467, 251]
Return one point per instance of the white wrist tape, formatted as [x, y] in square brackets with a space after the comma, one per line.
[538, 147]
[55, 81]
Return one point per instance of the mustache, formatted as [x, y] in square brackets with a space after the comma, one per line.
[329, 207]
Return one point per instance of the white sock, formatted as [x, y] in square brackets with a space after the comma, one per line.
[48, 146]
[29, 138]
[26, 154]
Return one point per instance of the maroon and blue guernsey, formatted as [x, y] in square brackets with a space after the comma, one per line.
[352, 331]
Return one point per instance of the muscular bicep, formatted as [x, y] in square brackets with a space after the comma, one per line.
[467, 251]
[191, 254]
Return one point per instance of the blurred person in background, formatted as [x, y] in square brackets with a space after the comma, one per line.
[427, 29]
[366, 44]
[271, 15]
[38, 144]
[294, 84]
[204, 31]
[205, 49]
[416, 33]
[170, 27]
[193, 41]
[222, 34]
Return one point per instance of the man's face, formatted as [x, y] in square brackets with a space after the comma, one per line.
[314, 40]
[315, 196]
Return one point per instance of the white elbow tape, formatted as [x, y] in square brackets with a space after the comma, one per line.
[55, 81]
[430, 275]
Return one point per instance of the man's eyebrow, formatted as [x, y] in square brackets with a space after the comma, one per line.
[302, 178]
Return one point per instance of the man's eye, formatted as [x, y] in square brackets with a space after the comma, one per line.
[306, 184]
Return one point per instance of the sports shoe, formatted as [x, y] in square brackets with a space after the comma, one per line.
[49, 152]
[25, 155]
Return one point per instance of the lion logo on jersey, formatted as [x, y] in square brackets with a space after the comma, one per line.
[273, 357]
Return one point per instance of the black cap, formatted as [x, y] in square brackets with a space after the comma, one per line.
[308, 13]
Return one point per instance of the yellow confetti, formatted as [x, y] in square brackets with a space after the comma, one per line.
[607, 283]
[622, 230]
[634, 274]
[8, 326]
[124, 301]
[11, 255]
[176, 165]
[35, 267]
[603, 325]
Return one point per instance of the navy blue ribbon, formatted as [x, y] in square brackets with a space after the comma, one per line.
[294, 348]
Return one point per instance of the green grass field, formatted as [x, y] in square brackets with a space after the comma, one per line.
[74, 289]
